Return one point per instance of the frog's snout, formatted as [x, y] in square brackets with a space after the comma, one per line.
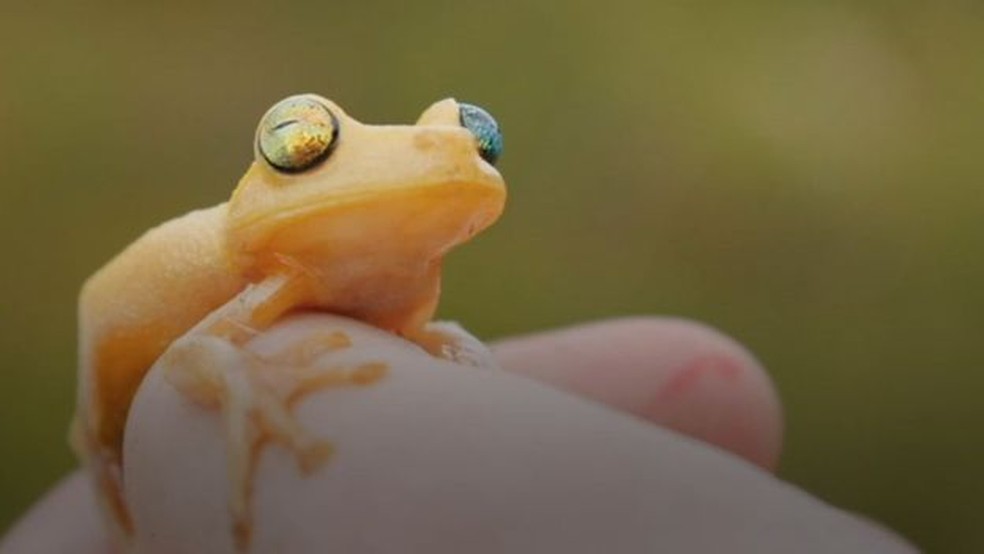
[442, 112]
[430, 140]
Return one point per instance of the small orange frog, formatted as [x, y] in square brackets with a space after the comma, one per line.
[332, 215]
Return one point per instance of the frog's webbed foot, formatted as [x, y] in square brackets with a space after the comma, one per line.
[450, 341]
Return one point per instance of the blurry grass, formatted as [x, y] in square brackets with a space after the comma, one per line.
[803, 175]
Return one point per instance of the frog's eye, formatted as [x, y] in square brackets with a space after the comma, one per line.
[486, 131]
[297, 134]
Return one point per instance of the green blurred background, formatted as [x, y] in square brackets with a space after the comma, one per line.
[805, 176]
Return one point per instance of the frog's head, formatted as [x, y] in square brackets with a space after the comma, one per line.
[325, 187]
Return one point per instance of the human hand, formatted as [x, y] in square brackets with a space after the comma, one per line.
[441, 458]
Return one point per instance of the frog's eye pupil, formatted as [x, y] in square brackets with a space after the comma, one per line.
[297, 134]
[486, 131]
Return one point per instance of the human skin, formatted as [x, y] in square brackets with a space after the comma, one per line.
[666, 374]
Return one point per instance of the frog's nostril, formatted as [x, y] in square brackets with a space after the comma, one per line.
[427, 140]
[297, 134]
[486, 131]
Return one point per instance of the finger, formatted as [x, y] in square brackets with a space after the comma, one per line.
[65, 520]
[675, 373]
[436, 458]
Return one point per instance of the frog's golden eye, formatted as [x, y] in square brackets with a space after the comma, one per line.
[297, 133]
[484, 127]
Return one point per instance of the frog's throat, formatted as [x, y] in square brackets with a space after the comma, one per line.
[421, 222]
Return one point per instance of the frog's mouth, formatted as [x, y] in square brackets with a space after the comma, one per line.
[396, 225]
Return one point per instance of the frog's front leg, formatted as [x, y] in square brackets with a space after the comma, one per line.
[450, 341]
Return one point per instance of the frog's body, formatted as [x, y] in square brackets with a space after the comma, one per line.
[332, 215]
[139, 303]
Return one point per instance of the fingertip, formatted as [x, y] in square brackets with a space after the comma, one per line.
[66, 519]
[676, 373]
[712, 388]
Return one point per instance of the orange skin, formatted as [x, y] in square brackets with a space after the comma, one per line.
[362, 234]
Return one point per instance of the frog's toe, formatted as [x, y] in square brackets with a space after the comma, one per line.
[194, 365]
[314, 456]
[450, 341]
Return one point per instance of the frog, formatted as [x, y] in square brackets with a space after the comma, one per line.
[332, 215]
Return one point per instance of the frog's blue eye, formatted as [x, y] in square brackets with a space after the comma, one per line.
[486, 131]
[297, 134]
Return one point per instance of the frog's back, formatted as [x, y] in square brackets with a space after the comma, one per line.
[137, 304]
